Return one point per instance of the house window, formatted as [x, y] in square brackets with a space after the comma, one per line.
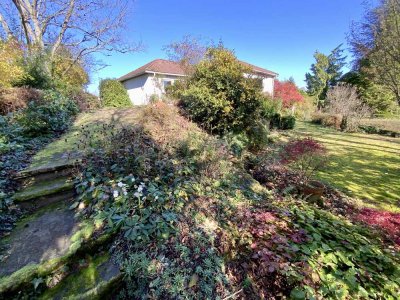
[166, 83]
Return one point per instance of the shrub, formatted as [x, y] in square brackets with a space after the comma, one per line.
[175, 90]
[66, 72]
[305, 156]
[52, 115]
[375, 130]
[84, 100]
[113, 94]
[11, 69]
[219, 97]
[306, 108]
[13, 99]
[287, 122]
[343, 99]
[329, 120]
[270, 107]
[257, 136]
[37, 68]
[282, 122]
[288, 92]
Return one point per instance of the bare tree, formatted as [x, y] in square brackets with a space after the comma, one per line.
[375, 42]
[343, 100]
[188, 51]
[82, 26]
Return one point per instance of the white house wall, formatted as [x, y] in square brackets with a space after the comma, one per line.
[268, 85]
[141, 88]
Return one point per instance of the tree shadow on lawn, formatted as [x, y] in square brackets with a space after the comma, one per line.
[356, 145]
[369, 171]
[313, 129]
[366, 174]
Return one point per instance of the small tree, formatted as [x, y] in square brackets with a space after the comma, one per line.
[189, 51]
[287, 92]
[343, 99]
[113, 94]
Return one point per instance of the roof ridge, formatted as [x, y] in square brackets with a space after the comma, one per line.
[160, 65]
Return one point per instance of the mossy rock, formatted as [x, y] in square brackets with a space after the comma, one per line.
[95, 280]
[83, 243]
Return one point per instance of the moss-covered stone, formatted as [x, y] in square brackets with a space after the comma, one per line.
[82, 244]
[42, 189]
[98, 277]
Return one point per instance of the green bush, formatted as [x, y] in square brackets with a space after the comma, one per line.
[84, 100]
[287, 122]
[37, 69]
[53, 114]
[375, 130]
[257, 136]
[221, 99]
[282, 122]
[113, 94]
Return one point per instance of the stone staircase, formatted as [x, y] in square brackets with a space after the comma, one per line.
[44, 186]
[50, 252]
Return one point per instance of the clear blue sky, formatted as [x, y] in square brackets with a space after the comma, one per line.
[280, 35]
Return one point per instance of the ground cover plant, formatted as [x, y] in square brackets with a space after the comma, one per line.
[364, 166]
[22, 134]
[191, 222]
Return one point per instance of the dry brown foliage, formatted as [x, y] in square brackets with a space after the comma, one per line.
[12, 99]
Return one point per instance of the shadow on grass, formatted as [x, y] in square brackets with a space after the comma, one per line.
[367, 168]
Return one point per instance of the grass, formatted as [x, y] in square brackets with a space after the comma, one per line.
[66, 149]
[385, 124]
[362, 165]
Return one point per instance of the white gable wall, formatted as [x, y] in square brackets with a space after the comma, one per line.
[141, 88]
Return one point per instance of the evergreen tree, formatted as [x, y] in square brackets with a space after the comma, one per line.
[324, 73]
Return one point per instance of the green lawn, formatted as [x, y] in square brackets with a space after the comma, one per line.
[365, 166]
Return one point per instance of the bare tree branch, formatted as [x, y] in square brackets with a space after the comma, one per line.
[64, 27]
[5, 26]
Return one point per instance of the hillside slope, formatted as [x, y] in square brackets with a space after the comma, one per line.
[188, 222]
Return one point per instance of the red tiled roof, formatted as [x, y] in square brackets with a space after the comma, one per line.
[156, 66]
[171, 67]
[258, 69]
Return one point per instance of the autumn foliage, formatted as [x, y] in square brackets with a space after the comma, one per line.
[387, 221]
[287, 92]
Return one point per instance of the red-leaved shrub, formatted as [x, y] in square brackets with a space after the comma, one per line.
[287, 92]
[305, 156]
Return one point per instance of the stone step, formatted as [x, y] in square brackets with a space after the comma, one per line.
[44, 193]
[44, 172]
[26, 180]
[44, 243]
[98, 278]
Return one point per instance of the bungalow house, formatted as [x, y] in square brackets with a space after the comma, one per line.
[152, 79]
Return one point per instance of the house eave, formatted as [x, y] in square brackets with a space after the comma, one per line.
[160, 73]
[150, 72]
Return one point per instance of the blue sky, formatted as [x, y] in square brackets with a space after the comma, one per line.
[280, 35]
